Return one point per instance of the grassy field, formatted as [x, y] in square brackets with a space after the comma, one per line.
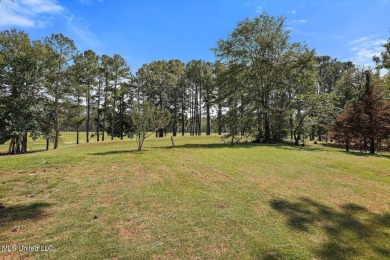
[201, 199]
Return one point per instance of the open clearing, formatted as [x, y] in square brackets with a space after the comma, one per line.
[200, 199]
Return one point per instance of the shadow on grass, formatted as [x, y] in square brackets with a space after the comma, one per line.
[354, 153]
[189, 146]
[210, 146]
[285, 146]
[11, 214]
[341, 149]
[117, 152]
[350, 231]
[243, 145]
[5, 153]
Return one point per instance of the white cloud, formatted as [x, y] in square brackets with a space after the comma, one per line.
[302, 21]
[81, 29]
[40, 13]
[7, 19]
[364, 48]
[28, 13]
[294, 12]
[363, 39]
[42, 6]
[259, 9]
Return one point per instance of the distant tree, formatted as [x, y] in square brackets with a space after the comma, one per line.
[46, 120]
[344, 131]
[176, 71]
[375, 115]
[98, 95]
[329, 72]
[86, 65]
[260, 51]
[308, 105]
[74, 104]
[198, 75]
[147, 119]
[63, 51]
[365, 122]
[158, 81]
[383, 61]
[348, 86]
[222, 84]
[106, 66]
[120, 73]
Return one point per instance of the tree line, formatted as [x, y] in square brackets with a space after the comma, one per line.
[263, 87]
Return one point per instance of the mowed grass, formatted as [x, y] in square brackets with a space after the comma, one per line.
[201, 199]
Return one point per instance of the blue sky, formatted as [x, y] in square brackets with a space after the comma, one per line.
[146, 30]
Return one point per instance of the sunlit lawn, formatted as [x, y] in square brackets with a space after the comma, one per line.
[199, 199]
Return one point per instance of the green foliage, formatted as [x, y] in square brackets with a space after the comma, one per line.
[147, 119]
[383, 61]
[264, 87]
[265, 72]
[62, 52]
[312, 106]
[23, 67]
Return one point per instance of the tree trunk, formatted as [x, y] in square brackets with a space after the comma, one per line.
[219, 118]
[182, 113]
[319, 133]
[267, 131]
[17, 145]
[78, 123]
[77, 134]
[208, 119]
[174, 128]
[139, 142]
[98, 113]
[291, 121]
[161, 130]
[196, 115]
[191, 113]
[24, 143]
[47, 144]
[56, 113]
[200, 110]
[174, 124]
[88, 115]
[105, 107]
[259, 125]
[121, 115]
[372, 145]
[297, 138]
[113, 113]
[11, 146]
[57, 122]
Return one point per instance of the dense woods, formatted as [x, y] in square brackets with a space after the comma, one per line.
[262, 88]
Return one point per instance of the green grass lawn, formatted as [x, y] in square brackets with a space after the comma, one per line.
[202, 199]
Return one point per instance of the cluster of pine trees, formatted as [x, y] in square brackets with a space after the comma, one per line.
[263, 87]
[365, 122]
